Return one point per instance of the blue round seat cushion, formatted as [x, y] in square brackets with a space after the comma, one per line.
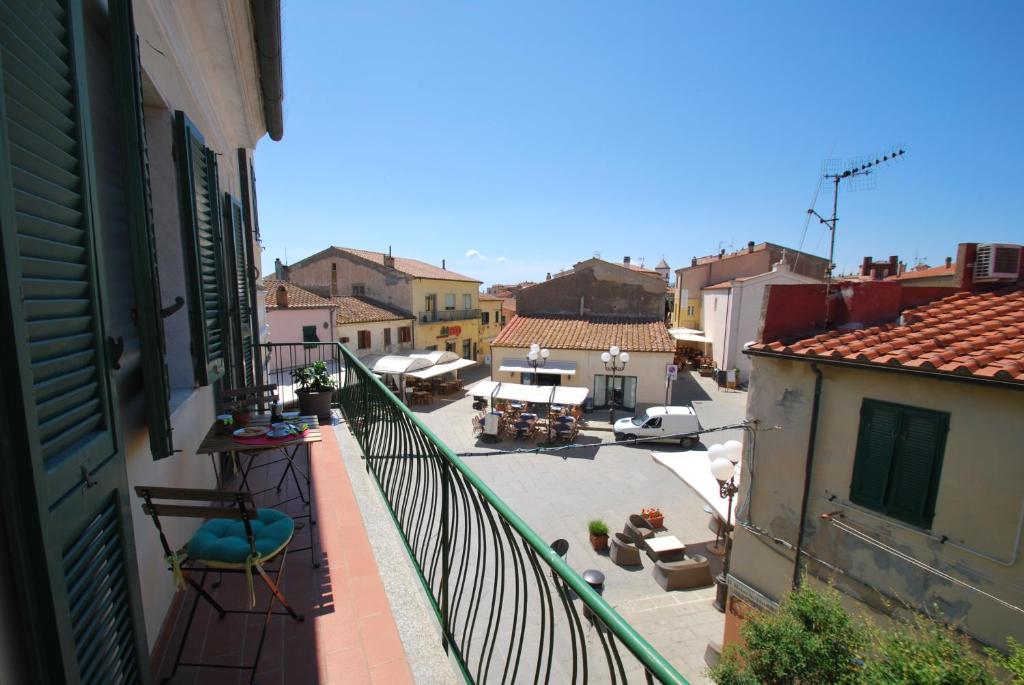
[223, 541]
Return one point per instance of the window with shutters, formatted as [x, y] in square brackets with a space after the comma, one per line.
[241, 311]
[485, 318]
[899, 460]
[364, 339]
[309, 334]
[358, 289]
[449, 301]
[405, 334]
[467, 301]
[387, 336]
[201, 226]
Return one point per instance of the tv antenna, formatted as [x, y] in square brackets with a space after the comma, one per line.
[856, 171]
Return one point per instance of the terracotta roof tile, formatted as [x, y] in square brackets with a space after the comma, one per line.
[359, 309]
[972, 334]
[410, 267]
[298, 298]
[592, 333]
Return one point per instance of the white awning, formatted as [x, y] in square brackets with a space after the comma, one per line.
[538, 394]
[439, 369]
[694, 469]
[556, 368]
[394, 363]
[689, 335]
[434, 356]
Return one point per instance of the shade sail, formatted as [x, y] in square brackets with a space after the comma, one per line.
[694, 469]
[557, 368]
[439, 369]
[434, 356]
[538, 394]
[394, 363]
[689, 335]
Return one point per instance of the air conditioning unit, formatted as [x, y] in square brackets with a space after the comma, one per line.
[997, 262]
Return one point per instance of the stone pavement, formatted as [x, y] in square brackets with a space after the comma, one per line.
[558, 493]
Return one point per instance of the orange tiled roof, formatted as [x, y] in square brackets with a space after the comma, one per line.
[298, 298]
[487, 297]
[979, 335]
[359, 309]
[931, 272]
[590, 333]
[412, 267]
[509, 304]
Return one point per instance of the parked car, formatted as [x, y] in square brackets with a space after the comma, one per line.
[674, 424]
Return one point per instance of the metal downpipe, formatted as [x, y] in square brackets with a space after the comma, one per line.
[808, 470]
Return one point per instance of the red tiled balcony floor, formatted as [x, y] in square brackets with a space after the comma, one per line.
[349, 635]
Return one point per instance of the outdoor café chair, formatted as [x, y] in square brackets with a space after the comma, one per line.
[638, 529]
[623, 551]
[691, 572]
[561, 548]
[237, 538]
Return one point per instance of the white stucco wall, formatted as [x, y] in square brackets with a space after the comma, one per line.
[376, 329]
[648, 367]
[285, 325]
[714, 316]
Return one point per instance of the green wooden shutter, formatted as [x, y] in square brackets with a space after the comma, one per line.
[141, 234]
[197, 179]
[241, 296]
[879, 424]
[915, 474]
[66, 471]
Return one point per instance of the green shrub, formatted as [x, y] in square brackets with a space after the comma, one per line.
[810, 639]
[597, 527]
[926, 653]
[1012, 662]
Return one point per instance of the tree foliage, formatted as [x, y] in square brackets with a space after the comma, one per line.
[812, 639]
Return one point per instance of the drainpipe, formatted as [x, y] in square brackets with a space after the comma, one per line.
[808, 469]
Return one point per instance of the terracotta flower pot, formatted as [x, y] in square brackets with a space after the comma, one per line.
[598, 542]
[241, 419]
[655, 521]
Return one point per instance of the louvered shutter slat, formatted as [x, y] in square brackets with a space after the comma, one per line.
[915, 470]
[876, 442]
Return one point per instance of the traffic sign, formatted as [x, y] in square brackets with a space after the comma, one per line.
[671, 372]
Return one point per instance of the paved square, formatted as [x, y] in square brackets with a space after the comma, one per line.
[558, 493]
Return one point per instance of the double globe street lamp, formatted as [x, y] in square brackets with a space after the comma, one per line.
[724, 460]
[537, 356]
[615, 360]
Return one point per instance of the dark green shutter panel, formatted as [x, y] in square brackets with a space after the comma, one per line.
[197, 167]
[915, 474]
[242, 296]
[879, 423]
[145, 274]
[54, 362]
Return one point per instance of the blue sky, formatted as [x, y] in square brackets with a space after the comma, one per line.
[539, 133]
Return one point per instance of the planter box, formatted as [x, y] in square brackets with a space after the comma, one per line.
[315, 403]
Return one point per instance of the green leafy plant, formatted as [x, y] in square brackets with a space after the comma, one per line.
[925, 652]
[1013, 661]
[597, 527]
[314, 378]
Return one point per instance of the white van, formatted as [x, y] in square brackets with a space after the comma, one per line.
[678, 422]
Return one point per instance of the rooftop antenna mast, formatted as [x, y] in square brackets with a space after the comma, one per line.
[849, 174]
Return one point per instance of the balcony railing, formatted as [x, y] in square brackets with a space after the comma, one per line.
[449, 315]
[278, 360]
[505, 601]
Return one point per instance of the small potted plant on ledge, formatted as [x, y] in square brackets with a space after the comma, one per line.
[598, 534]
[315, 389]
[653, 516]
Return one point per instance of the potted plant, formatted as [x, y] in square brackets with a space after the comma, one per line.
[653, 516]
[598, 534]
[315, 389]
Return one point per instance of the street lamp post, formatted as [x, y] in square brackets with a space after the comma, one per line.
[614, 360]
[537, 356]
[724, 459]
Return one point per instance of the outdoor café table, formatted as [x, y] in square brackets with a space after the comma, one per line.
[666, 548]
[247, 450]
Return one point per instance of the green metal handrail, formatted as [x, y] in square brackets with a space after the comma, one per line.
[362, 410]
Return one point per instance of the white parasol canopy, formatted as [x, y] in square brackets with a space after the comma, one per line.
[693, 468]
[538, 394]
[557, 368]
[439, 369]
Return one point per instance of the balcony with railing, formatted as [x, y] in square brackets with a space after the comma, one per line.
[449, 315]
[505, 606]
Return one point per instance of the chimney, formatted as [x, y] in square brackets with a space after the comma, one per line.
[278, 269]
[281, 297]
[750, 246]
[894, 262]
[443, 266]
[964, 276]
[389, 261]
[721, 253]
[625, 260]
[548, 278]
[693, 262]
[949, 262]
[903, 268]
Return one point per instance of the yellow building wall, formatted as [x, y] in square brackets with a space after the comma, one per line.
[978, 508]
[434, 334]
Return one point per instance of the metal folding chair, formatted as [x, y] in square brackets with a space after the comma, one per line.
[236, 539]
